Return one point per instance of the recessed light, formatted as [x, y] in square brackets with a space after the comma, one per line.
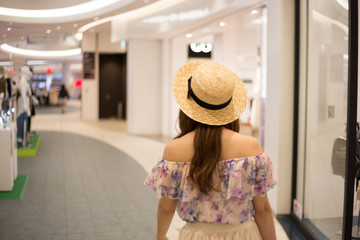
[9, 29]
[96, 18]
[78, 36]
[254, 11]
[189, 35]
[75, 25]
[58, 28]
[222, 24]
[48, 31]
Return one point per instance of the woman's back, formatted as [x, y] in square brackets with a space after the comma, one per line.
[242, 173]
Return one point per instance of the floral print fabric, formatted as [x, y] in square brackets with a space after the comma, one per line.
[238, 181]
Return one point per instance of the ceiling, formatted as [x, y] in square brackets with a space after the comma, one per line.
[141, 16]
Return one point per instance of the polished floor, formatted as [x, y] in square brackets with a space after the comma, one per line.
[79, 188]
[86, 183]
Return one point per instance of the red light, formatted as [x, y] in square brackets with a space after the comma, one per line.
[49, 70]
[78, 83]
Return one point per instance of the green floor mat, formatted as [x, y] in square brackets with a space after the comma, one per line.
[17, 191]
[31, 149]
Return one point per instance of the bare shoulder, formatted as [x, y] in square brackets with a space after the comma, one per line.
[239, 145]
[180, 149]
[252, 146]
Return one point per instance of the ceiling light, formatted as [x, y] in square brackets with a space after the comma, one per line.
[36, 53]
[37, 62]
[58, 28]
[9, 29]
[137, 13]
[78, 36]
[48, 31]
[182, 16]
[75, 25]
[189, 35]
[58, 12]
[6, 64]
[222, 24]
[254, 11]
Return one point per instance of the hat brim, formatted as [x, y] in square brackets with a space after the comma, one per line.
[203, 115]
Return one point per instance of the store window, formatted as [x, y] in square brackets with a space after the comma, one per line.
[323, 103]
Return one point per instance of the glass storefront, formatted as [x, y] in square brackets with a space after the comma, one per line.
[323, 106]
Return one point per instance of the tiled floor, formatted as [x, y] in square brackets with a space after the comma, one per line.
[80, 188]
[79, 185]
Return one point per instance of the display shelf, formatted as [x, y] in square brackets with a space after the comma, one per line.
[8, 160]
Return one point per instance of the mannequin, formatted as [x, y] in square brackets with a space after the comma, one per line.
[32, 106]
[2, 86]
[23, 102]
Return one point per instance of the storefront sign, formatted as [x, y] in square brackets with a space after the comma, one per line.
[89, 65]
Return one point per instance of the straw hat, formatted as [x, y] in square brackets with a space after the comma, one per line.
[209, 92]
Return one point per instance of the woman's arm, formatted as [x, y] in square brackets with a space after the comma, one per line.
[165, 213]
[264, 217]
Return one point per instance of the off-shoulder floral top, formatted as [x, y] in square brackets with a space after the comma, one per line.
[239, 180]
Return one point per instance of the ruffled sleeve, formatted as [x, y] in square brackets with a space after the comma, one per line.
[248, 177]
[169, 179]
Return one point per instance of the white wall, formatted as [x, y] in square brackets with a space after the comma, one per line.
[90, 87]
[105, 44]
[279, 100]
[178, 57]
[97, 43]
[166, 92]
[144, 62]
[67, 74]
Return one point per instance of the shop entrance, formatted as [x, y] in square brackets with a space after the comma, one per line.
[112, 86]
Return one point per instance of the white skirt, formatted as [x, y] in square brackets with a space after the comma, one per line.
[209, 231]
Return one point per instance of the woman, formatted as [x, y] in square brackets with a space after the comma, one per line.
[63, 95]
[213, 176]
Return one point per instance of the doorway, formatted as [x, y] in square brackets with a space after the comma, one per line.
[112, 86]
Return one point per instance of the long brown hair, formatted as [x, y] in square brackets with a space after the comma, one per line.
[207, 146]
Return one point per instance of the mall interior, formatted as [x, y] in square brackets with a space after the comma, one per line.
[87, 108]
